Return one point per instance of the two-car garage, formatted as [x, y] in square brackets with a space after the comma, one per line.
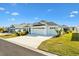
[43, 30]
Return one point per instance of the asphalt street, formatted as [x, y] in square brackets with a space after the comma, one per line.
[10, 49]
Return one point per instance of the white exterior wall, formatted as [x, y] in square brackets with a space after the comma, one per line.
[28, 29]
[22, 30]
[16, 30]
[76, 29]
[51, 30]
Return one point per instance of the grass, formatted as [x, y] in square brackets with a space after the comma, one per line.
[62, 46]
[8, 36]
[13, 35]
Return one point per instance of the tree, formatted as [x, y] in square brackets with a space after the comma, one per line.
[1, 30]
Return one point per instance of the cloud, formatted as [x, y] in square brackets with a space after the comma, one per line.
[15, 14]
[74, 12]
[71, 15]
[2, 9]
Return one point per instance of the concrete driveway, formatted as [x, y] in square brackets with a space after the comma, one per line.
[32, 41]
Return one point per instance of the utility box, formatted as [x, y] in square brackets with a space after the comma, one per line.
[75, 37]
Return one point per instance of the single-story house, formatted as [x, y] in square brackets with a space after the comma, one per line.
[44, 28]
[39, 28]
[19, 27]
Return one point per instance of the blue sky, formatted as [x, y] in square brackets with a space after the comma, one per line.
[13, 13]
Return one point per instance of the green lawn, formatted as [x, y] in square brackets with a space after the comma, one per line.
[8, 36]
[13, 35]
[62, 46]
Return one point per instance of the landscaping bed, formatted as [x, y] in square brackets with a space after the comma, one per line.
[63, 46]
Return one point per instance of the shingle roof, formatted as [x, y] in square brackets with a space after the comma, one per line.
[65, 26]
[19, 25]
[40, 23]
[43, 22]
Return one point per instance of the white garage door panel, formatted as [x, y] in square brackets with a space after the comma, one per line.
[52, 32]
[38, 31]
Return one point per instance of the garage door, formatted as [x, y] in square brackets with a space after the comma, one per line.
[38, 31]
[52, 32]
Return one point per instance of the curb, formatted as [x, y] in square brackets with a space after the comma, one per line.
[31, 48]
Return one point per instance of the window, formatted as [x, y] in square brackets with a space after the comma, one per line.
[52, 28]
[39, 28]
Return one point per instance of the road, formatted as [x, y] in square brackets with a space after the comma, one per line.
[10, 49]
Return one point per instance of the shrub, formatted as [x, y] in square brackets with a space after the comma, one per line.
[66, 30]
[1, 30]
[59, 33]
[17, 34]
[24, 33]
[21, 33]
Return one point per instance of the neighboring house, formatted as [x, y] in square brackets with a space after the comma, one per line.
[65, 27]
[44, 28]
[68, 28]
[19, 27]
[76, 29]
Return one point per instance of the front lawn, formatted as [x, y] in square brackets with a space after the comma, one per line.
[8, 36]
[62, 46]
[11, 35]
